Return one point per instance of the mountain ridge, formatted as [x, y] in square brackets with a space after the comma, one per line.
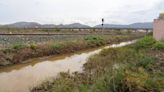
[133, 25]
[76, 25]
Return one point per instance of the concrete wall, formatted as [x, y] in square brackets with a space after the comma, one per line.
[158, 29]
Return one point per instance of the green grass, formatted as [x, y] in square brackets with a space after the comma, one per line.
[124, 69]
[159, 45]
[19, 46]
[146, 42]
[146, 62]
[92, 40]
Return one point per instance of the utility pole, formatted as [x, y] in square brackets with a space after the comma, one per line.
[102, 25]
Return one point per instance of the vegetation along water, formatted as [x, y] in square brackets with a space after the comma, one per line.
[135, 68]
[19, 53]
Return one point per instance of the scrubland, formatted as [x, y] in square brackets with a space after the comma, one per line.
[135, 68]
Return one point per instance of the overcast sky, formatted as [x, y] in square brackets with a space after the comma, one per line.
[83, 11]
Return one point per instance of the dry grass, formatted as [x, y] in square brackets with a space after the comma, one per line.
[21, 52]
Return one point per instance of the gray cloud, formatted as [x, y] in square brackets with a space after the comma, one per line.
[130, 14]
[84, 11]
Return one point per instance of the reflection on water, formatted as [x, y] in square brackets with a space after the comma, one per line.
[20, 78]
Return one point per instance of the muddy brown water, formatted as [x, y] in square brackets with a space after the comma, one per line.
[22, 77]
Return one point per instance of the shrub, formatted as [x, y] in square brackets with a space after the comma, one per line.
[159, 46]
[155, 84]
[146, 62]
[95, 40]
[135, 81]
[109, 82]
[33, 46]
[19, 46]
[57, 46]
[146, 42]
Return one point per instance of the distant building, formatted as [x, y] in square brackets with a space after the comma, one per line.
[158, 28]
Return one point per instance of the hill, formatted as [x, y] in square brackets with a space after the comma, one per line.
[37, 25]
[134, 25]
[76, 25]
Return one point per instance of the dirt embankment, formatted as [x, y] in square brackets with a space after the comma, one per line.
[20, 53]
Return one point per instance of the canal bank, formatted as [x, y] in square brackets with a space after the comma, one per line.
[32, 75]
[19, 53]
[133, 68]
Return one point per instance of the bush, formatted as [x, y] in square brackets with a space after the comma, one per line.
[159, 46]
[92, 40]
[146, 62]
[135, 81]
[33, 46]
[155, 84]
[146, 42]
[57, 46]
[19, 46]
